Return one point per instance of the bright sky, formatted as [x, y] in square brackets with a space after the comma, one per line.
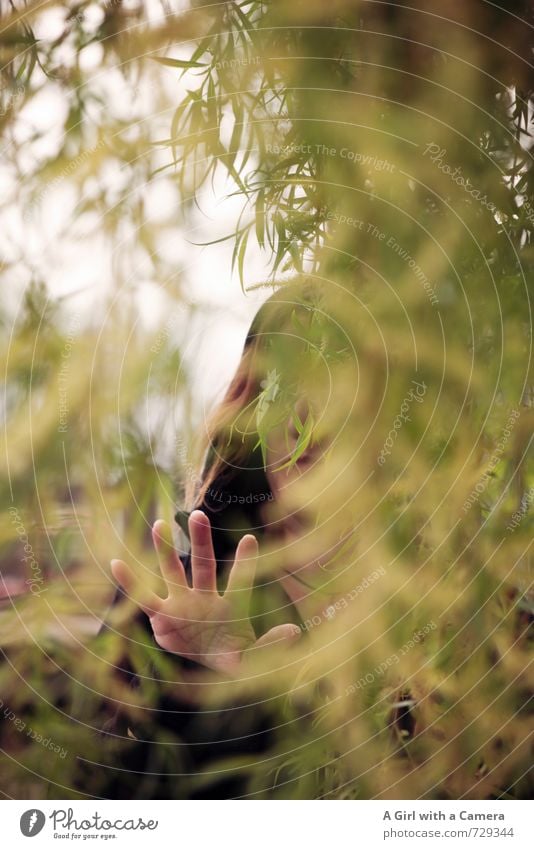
[78, 264]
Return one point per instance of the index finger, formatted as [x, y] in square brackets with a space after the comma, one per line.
[170, 564]
[150, 602]
[203, 563]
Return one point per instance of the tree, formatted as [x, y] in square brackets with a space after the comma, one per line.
[384, 150]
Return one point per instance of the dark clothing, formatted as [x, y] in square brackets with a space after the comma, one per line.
[178, 750]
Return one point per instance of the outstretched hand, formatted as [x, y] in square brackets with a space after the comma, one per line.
[197, 622]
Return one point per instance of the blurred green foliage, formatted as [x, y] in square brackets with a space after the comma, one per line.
[384, 151]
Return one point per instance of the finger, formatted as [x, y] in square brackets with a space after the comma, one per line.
[149, 602]
[170, 564]
[203, 564]
[241, 577]
[278, 635]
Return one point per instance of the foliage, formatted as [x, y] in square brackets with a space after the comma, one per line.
[382, 154]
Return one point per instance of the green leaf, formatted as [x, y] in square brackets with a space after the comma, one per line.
[178, 63]
[305, 432]
[260, 218]
[213, 117]
[241, 259]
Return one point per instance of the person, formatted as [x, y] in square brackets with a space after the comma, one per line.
[195, 620]
[268, 437]
[275, 525]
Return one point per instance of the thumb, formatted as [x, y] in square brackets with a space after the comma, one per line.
[279, 634]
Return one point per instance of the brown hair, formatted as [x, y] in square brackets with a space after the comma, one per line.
[227, 453]
[233, 484]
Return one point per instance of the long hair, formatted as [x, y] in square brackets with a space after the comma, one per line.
[234, 488]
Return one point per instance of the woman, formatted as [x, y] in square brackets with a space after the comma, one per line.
[262, 408]
[281, 477]
[269, 436]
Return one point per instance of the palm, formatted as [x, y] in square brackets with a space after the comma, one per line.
[205, 629]
[197, 622]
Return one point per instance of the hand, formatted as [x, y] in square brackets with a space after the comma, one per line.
[198, 623]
